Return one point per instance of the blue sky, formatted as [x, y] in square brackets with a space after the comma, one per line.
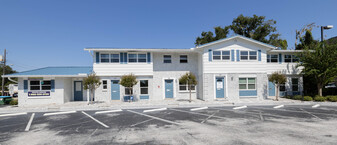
[40, 33]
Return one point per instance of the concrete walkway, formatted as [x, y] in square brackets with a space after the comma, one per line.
[70, 106]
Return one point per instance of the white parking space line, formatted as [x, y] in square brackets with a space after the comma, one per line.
[279, 106]
[13, 114]
[141, 122]
[261, 117]
[197, 113]
[201, 108]
[168, 121]
[95, 120]
[209, 117]
[108, 111]
[311, 114]
[30, 122]
[58, 113]
[152, 110]
[241, 107]
[315, 106]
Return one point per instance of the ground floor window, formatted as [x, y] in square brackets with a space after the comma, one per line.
[144, 87]
[128, 91]
[184, 87]
[105, 84]
[294, 82]
[282, 87]
[40, 85]
[247, 83]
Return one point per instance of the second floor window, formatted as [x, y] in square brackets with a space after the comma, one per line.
[167, 59]
[114, 58]
[183, 59]
[248, 55]
[221, 55]
[272, 58]
[134, 58]
[105, 58]
[290, 58]
[244, 55]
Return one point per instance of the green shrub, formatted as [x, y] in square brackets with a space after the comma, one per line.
[319, 98]
[307, 98]
[332, 98]
[288, 97]
[297, 97]
[14, 102]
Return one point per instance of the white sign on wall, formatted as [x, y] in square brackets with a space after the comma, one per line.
[219, 85]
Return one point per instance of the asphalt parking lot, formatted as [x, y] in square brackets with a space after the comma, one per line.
[213, 125]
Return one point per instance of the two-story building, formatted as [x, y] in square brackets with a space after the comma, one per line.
[228, 69]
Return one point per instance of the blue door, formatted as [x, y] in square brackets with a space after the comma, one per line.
[271, 88]
[78, 91]
[115, 93]
[220, 87]
[168, 88]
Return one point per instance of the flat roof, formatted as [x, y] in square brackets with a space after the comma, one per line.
[58, 71]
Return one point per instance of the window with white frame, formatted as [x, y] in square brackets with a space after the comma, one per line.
[294, 82]
[282, 87]
[252, 55]
[183, 59]
[167, 59]
[216, 55]
[132, 58]
[141, 58]
[247, 83]
[105, 84]
[40, 85]
[114, 58]
[290, 58]
[144, 87]
[244, 55]
[128, 91]
[105, 58]
[184, 87]
[272, 58]
[226, 55]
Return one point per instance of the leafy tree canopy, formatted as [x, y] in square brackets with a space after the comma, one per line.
[128, 81]
[8, 70]
[320, 63]
[255, 27]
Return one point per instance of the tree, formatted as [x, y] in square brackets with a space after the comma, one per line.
[319, 63]
[92, 82]
[8, 70]
[300, 32]
[277, 79]
[128, 81]
[190, 80]
[207, 37]
[306, 40]
[255, 27]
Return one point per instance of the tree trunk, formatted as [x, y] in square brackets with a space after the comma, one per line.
[130, 92]
[92, 96]
[319, 88]
[189, 87]
[277, 91]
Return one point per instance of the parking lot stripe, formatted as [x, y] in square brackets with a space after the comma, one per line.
[30, 122]
[108, 111]
[311, 114]
[261, 117]
[95, 120]
[241, 107]
[13, 114]
[315, 106]
[201, 108]
[197, 113]
[168, 121]
[293, 111]
[141, 122]
[208, 117]
[58, 113]
[151, 110]
[279, 106]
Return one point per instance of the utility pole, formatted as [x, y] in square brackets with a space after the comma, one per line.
[3, 73]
